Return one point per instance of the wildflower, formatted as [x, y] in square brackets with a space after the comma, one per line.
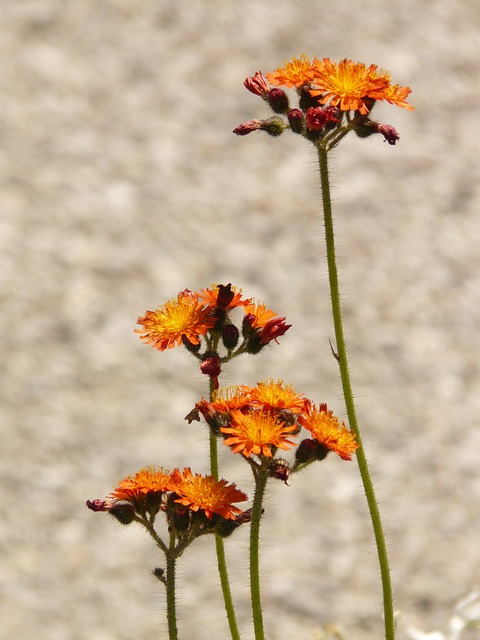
[257, 432]
[294, 73]
[185, 318]
[147, 481]
[272, 395]
[222, 297]
[228, 399]
[266, 324]
[397, 95]
[204, 493]
[327, 431]
[347, 83]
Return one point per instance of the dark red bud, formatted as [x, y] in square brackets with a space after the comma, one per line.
[230, 336]
[278, 100]
[211, 366]
[296, 118]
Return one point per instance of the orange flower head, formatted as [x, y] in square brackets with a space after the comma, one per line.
[257, 432]
[397, 95]
[186, 317]
[326, 429]
[265, 321]
[222, 296]
[348, 84]
[294, 73]
[135, 488]
[204, 493]
[228, 399]
[272, 395]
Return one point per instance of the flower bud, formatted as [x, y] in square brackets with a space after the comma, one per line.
[225, 296]
[97, 505]
[258, 85]
[159, 573]
[278, 100]
[230, 336]
[310, 450]
[318, 117]
[388, 132]
[247, 127]
[296, 118]
[273, 126]
[123, 512]
[305, 99]
[211, 366]
[367, 128]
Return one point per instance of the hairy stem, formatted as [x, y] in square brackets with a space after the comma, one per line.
[220, 546]
[171, 605]
[260, 483]
[349, 401]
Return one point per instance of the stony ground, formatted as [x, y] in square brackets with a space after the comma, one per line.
[122, 184]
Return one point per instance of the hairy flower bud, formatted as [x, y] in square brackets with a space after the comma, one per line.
[124, 512]
[278, 100]
[230, 336]
[211, 366]
[296, 119]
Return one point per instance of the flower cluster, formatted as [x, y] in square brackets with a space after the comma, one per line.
[334, 98]
[205, 316]
[194, 504]
[257, 421]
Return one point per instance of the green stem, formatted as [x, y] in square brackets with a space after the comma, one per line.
[260, 484]
[220, 546]
[170, 587]
[349, 402]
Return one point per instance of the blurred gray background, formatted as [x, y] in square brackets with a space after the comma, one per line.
[122, 184]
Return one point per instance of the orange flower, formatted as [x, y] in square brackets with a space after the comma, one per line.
[228, 399]
[185, 317]
[269, 325]
[151, 480]
[223, 297]
[204, 493]
[347, 83]
[397, 95]
[257, 432]
[294, 73]
[326, 429]
[276, 395]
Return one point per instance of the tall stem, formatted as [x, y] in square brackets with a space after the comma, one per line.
[220, 546]
[349, 402]
[171, 606]
[260, 483]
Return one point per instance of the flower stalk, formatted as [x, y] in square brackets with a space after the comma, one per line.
[220, 545]
[261, 478]
[342, 359]
[171, 560]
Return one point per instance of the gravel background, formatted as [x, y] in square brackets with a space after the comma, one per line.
[121, 184]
